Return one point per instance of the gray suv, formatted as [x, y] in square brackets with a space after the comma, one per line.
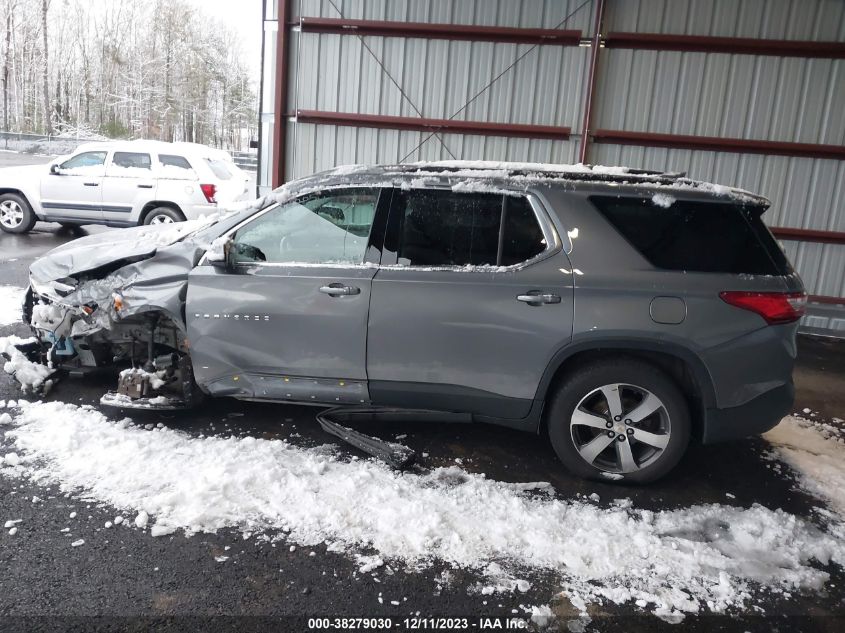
[618, 312]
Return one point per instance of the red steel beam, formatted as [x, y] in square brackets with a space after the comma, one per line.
[734, 45]
[595, 46]
[417, 124]
[281, 96]
[435, 31]
[717, 144]
[808, 235]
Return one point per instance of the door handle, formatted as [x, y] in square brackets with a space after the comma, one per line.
[339, 290]
[145, 186]
[92, 184]
[535, 298]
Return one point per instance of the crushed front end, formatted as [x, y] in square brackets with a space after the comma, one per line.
[126, 319]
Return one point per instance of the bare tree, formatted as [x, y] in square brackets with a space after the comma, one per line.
[125, 69]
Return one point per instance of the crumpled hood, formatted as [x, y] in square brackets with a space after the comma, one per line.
[94, 251]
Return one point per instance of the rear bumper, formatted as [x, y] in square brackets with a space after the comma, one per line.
[752, 418]
[196, 211]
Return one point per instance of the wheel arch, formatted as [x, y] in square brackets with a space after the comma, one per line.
[680, 363]
[20, 192]
[155, 204]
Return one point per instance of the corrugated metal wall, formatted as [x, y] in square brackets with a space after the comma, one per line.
[438, 78]
[739, 96]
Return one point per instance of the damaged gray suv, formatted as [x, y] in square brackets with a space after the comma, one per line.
[620, 313]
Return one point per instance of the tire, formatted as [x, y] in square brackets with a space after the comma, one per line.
[582, 439]
[16, 216]
[163, 215]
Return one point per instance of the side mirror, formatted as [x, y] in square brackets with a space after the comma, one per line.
[221, 254]
[54, 169]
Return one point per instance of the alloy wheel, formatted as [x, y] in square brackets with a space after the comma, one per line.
[161, 219]
[620, 428]
[11, 214]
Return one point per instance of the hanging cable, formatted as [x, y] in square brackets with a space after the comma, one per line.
[398, 87]
[495, 79]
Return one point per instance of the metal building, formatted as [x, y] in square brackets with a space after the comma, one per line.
[748, 93]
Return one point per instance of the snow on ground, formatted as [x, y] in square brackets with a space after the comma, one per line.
[816, 452]
[33, 377]
[703, 557]
[11, 299]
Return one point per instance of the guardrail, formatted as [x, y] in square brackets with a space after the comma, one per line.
[29, 143]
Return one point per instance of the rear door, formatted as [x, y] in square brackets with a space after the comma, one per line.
[128, 185]
[477, 300]
[74, 191]
[290, 322]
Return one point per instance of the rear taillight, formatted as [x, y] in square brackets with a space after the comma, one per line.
[209, 191]
[774, 307]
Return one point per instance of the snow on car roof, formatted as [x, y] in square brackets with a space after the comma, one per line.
[160, 147]
[467, 175]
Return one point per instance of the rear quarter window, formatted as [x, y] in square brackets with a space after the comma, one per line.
[697, 236]
[219, 168]
[171, 160]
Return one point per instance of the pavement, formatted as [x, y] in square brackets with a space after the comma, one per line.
[131, 575]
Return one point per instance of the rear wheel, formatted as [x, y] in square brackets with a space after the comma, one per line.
[16, 216]
[619, 420]
[163, 215]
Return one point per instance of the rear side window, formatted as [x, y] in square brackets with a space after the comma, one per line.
[219, 168]
[131, 159]
[444, 228]
[714, 237]
[169, 160]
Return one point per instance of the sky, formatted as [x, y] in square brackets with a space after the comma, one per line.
[245, 17]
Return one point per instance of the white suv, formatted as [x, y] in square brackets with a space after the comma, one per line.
[121, 183]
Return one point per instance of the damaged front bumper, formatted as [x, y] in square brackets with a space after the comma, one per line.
[109, 324]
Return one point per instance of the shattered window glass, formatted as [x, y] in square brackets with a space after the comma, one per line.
[445, 228]
[324, 228]
[442, 228]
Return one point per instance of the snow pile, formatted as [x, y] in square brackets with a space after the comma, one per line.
[51, 317]
[33, 377]
[818, 460]
[11, 299]
[675, 560]
[155, 378]
[217, 249]
[663, 200]
[165, 235]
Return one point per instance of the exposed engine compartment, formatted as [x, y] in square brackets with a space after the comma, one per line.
[115, 320]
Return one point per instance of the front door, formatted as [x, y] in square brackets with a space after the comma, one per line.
[290, 321]
[74, 191]
[478, 300]
[128, 185]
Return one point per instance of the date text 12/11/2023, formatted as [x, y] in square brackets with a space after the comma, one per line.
[419, 623]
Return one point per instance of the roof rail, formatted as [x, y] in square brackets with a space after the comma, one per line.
[642, 175]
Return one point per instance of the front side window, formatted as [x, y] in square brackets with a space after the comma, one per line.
[325, 228]
[445, 229]
[85, 159]
[132, 160]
